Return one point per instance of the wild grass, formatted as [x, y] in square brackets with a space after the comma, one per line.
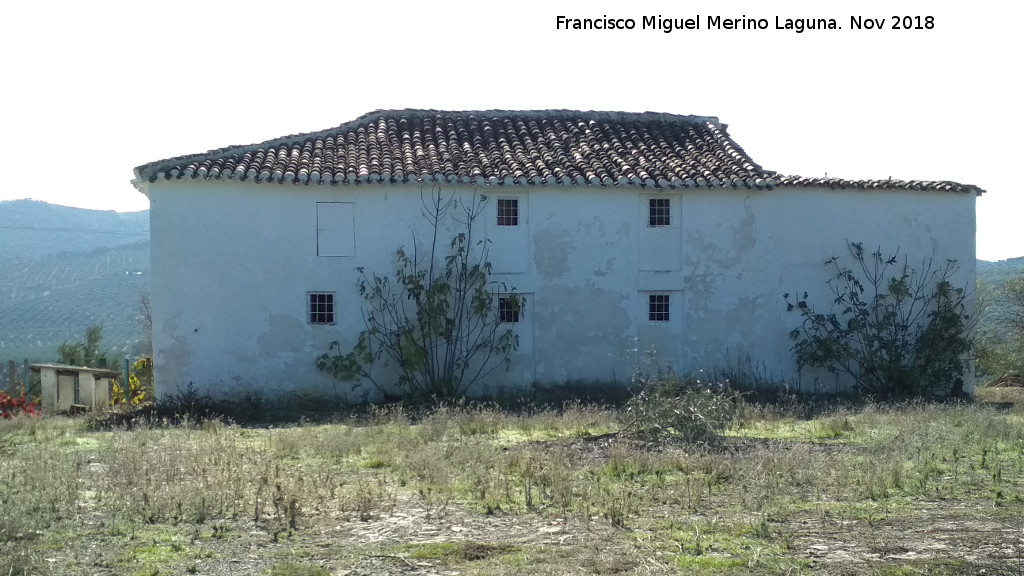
[1010, 395]
[526, 488]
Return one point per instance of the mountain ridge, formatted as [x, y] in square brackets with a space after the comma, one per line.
[31, 229]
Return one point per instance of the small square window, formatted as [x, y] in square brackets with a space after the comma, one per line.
[508, 212]
[508, 310]
[657, 307]
[321, 308]
[659, 212]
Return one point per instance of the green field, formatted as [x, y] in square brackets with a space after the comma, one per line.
[912, 489]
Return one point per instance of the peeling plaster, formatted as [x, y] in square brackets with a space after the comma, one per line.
[625, 231]
[744, 234]
[600, 318]
[710, 251]
[174, 358]
[284, 333]
[743, 240]
[551, 251]
[609, 266]
[596, 227]
[700, 288]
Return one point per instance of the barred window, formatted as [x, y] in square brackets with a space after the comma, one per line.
[657, 307]
[659, 213]
[321, 307]
[508, 310]
[508, 212]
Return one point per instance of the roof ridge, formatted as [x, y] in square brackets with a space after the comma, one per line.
[596, 114]
[652, 150]
[600, 114]
[889, 183]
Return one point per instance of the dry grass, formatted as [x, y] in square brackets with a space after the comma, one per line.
[913, 489]
[1010, 395]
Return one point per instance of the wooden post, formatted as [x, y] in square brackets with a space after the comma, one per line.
[124, 383]
[27, 381]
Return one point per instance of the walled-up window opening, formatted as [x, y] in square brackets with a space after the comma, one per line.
[335, 229]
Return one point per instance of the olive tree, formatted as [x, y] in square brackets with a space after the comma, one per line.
[1001, 338]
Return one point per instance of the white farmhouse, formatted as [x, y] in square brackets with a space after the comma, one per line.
[622, 230]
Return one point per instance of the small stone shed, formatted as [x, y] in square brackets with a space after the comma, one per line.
[64, 386]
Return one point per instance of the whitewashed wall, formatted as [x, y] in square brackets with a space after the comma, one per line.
[233, 263]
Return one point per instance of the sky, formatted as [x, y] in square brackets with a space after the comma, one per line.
[93, 89]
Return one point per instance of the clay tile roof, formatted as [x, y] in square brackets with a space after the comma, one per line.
[888, 184]
[498, 147]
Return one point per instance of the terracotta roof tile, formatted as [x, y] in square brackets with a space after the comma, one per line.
[888, 184]
[496, 147]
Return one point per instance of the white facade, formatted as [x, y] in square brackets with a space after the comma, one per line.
[234, 263]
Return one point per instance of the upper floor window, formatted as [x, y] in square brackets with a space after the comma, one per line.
[659, 213]
[508, 212]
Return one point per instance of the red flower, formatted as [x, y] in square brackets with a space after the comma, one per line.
[12, 406]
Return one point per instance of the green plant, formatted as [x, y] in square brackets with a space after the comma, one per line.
[461, 550]
[85, 352]
[435, 321]
[1001, 339]
[1014, 292]
[896, 331]
[998, 355]
[140, 384]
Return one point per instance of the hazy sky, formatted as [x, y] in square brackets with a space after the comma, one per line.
[93, 89]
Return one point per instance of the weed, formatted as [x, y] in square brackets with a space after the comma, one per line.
[371, 498]
[20, 561]
[297, 569]
[834, 427]
[165, 494]
[460, 550]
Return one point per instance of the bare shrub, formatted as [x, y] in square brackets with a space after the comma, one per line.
[684, 408]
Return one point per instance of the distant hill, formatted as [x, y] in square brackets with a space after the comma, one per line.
[992, 277]
[63, 269]
[31, 229]
[1001, 271]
